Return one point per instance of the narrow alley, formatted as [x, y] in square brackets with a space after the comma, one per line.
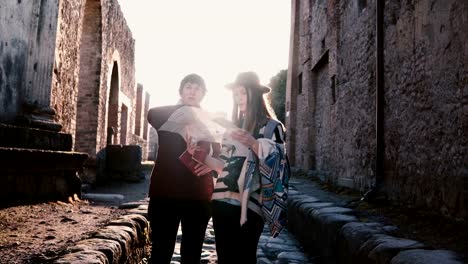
[347, 121]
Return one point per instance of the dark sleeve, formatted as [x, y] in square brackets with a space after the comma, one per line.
[157, 116]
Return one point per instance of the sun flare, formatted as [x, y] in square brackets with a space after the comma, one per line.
[215, 39]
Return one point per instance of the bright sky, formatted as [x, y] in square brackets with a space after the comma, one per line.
[214, 38]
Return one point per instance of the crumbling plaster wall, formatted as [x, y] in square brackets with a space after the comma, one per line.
[27, 30]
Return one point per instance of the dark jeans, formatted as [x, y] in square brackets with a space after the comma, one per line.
[235, 243]
[165, 215]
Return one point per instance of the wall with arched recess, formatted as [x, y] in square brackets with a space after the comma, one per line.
[92, 35]
[59, 63]
[119, 47]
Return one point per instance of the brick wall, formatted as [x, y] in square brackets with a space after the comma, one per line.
[92, 38]
[332, 117]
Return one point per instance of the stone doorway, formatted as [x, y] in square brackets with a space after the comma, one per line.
[113, 114]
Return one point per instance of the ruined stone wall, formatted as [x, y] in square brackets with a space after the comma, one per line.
[66, 65]
[27, 43]
[355, 95]
[426, 81]
[141, 124]
[13, 54]
[117, 39]
[425, 96]
[323, 85]
[301, 103]
[93, 36]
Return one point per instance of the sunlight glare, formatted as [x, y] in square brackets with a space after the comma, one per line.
[214, 38]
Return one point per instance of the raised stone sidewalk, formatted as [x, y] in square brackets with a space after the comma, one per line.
[123, 240]
[334, 234]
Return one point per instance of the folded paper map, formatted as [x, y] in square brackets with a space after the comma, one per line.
[196, 123]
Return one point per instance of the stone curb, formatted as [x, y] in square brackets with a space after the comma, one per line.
[336, 235]
[123, 240]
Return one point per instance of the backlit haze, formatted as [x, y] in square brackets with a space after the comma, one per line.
[214, 38]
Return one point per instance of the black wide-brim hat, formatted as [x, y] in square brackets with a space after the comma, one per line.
[249, 80]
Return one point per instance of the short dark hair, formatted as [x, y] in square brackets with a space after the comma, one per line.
[192, 78]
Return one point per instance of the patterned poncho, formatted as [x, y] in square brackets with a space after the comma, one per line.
[256, 181]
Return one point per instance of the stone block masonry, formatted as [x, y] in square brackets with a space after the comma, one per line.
[33, 175]
[123, 240]
[336, 234]
[331, 98]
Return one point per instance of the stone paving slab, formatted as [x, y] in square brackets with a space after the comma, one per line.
[123, 240]
[280, 250]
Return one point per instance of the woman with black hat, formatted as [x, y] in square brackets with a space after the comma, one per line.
[246, 155]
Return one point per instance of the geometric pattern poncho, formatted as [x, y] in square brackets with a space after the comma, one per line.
[274, 171]
[274, 176]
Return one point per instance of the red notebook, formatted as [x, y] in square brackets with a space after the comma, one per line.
[198, 157]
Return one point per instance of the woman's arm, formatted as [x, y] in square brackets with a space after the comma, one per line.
[244, 137]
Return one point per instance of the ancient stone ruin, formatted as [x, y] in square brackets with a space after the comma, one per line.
[67, 91]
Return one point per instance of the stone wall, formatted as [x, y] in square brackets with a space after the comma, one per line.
[331, 119]
[426, 119]
[355, 96]
[49, 174]
[300, 102]
[140, 136]
[95, 52]
[26, 57]
[69, 66]
[66, 64]
[123, 240]
[60, 55]
[120, 47]
[13, 55]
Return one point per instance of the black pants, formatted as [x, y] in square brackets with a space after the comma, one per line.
[165, 215]
[235, 243]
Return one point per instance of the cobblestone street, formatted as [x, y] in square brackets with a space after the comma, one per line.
[281, 250]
